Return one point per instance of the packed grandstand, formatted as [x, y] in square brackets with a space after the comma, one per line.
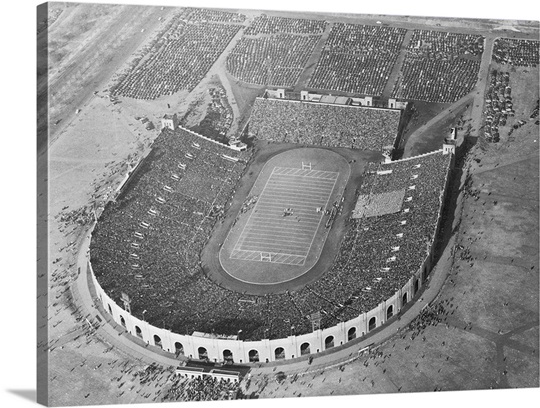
[148, 240]
[358, 58]
[278, 56]
[318, 124]
[180, 56]
[439, 66]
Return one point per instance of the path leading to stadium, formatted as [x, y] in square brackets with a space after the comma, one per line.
[481, 85]
[415, 139]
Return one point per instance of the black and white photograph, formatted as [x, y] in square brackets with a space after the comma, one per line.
[265, 201]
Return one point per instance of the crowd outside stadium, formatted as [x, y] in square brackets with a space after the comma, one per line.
[204, 388]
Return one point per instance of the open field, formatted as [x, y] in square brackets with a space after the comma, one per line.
[266, 247]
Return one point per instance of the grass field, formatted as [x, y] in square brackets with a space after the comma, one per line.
[280, 234]
[272, 236]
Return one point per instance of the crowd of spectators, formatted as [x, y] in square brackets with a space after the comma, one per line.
[147, 241]
[439, 66]
[274, 50]
[359, 279]
[147, 244]
[218, 117]
[205, 388]
[311, 123]
[276, 60]
[498, 104]
[432, 315]
[265, 24]
[178, 60]
[520, 53]
[357, 58]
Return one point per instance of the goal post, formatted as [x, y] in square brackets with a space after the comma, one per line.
[266, 257]
[306, 166]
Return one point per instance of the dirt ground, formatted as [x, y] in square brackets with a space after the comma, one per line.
[88, 43]
[490, 340]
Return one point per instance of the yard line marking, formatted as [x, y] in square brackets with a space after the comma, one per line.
[267, 232]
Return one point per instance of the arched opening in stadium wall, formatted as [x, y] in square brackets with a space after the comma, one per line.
[203, 353]
[228, 356]
[304, 349]
[351, 334]
[389, 312]
[178, 348]
[279, 353]
[372, 323]
[157, 341]
[138, 332]
[253, 356]
[329, 342]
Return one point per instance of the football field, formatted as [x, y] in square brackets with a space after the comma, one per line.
[283, 224]
[281, 228]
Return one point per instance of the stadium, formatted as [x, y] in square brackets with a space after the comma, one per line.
[310, 238]
[264, 204]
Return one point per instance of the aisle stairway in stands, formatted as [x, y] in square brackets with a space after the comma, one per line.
[311, 64]
[392, 79]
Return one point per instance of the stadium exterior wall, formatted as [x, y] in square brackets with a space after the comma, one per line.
[266, 349]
